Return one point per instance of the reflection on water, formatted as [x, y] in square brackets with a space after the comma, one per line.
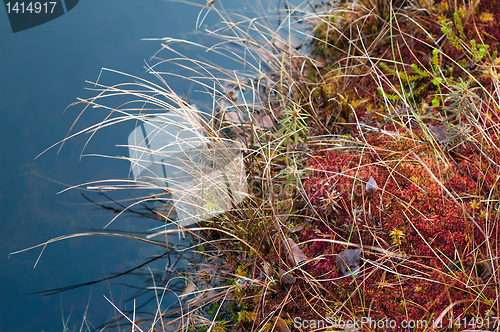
[167, 272]
[204, 176]
[164, 290]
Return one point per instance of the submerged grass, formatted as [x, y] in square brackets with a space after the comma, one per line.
[370, 148]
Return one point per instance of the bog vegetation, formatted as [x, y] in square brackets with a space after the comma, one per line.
[371, 148]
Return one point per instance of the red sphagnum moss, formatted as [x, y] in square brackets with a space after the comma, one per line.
[429, 202]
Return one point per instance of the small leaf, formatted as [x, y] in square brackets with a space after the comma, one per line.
[190, 289]
[351, 329]
[280, 325]
[295, 254]
[232, 117]
[267, 269]
[348, 261]
[371, 186]
[299, 227]
[287, 278]
[435, 102]
[438, 132]
[266, 122]
[320, 61]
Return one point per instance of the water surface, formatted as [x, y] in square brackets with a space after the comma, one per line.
[42, 71]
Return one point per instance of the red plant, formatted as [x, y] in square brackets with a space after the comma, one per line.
[443, 230]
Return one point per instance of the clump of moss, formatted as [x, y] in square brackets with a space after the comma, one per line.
[443, 231]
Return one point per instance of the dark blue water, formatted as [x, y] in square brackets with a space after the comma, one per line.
[42, 71]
